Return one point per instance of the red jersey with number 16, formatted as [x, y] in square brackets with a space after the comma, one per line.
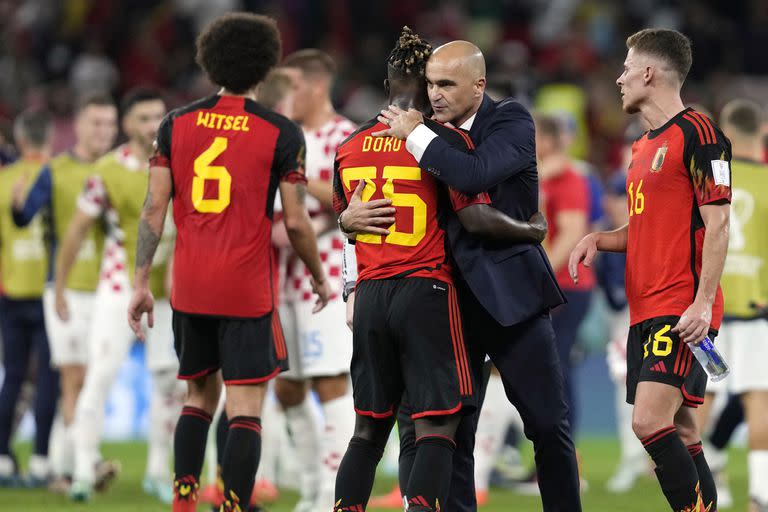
[227, 155]
[416, 245]
[675, 170]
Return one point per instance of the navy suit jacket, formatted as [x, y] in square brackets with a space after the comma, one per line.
[513, 282]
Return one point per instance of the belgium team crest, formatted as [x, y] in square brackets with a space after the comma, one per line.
[658, 158]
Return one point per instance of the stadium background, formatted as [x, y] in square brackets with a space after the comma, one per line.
[558, 55]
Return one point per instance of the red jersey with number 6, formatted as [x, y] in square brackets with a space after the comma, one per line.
[675, 170]
[416, 245]
[227, 155]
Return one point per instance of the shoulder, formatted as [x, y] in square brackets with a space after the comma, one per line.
[509, 107]
[365, 127]
[700, 130]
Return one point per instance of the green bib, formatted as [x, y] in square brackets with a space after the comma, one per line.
[745, 276]
[23, 254]
[68, 175]
[126, 189]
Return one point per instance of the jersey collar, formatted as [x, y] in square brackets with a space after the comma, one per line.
[652, 134]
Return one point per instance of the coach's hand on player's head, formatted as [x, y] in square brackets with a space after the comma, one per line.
[367, 216]
[323, 291]
[693, 325]
[142, 302]
[585, 252]
[401, 122]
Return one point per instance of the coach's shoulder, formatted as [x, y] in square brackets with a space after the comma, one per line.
[512, 108]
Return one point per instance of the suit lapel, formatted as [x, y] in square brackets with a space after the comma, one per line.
[482, 114]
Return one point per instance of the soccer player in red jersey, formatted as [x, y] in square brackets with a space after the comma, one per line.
[222, 159]
[407, 331]
[678, 194]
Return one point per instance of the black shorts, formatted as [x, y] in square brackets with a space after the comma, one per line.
[248, 350]
[408, 338]
[655, 353]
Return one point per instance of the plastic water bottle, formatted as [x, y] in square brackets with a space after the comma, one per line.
[711, 359]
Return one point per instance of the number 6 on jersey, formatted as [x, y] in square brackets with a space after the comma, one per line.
[205, 171]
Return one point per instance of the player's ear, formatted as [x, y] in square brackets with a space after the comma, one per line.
[386, 86]
[648, 75]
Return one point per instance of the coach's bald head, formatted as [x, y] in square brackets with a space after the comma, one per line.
[456, 81]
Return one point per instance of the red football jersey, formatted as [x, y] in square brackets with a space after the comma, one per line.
[227, 155]
[675, 169]
[416, 245]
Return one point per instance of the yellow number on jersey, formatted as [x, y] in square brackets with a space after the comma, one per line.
[413, 201]
[662, 345]
[205, 171]
[636, 199]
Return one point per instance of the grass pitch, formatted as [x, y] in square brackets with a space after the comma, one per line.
[599, 458]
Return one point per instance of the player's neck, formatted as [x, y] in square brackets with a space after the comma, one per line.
[82, 154]
[319, 116]
[661, 108]
[251, 94]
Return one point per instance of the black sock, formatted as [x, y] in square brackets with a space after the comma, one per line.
[189, 452]
[241, 459]
[707, 483]
[222, 430]
[431, 475]
[674, 469]
[731, 417]
[357, 470]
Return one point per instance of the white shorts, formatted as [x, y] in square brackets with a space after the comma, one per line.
[319, 345]
[68, 340]
[744, 345]
[111, 337]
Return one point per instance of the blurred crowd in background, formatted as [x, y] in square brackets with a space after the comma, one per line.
[559, 55]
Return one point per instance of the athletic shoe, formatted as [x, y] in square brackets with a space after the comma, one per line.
[106, 472]
[9, 472]
[393, 499]
[754, 506]
[212, 494]
[264, 491]
[60, 485]
[161, 490]
[80, 491]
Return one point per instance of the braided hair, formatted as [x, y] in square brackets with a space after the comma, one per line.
[409, 56]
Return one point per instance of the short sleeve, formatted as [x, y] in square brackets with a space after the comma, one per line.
[708, 160]
[93, 200]
[459, 200]
[573, 194]
[290, 153]
[162, 145]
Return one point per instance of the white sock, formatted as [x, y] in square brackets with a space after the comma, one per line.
[303, 427]
[39, 467]
[86, 431]
[164, 409]
[757, 462]
[494, 420]
[272, 429]
[339, 427]
[56, 446]
[6, 466]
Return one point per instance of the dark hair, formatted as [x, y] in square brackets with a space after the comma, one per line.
[274, 88]
[408, 59]
[238, 49]
[95, 98]
[138, 95]
[311, 61]
[34, 126]
[744, 115]
[670, 45]
[550, 125]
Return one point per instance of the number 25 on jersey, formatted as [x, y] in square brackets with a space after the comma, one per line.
[391, 173]
[218, 173]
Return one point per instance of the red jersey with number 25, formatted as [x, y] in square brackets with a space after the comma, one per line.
[675, 169]
[416, 245]
[227, 155]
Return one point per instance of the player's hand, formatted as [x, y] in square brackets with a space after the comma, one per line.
[585, 252]
[367, 217]
[323, 291]
[539, 223]
[142, 302]
[19, 191]
[694, 323]
[401, 122]
[61, 306]
[350, 309]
